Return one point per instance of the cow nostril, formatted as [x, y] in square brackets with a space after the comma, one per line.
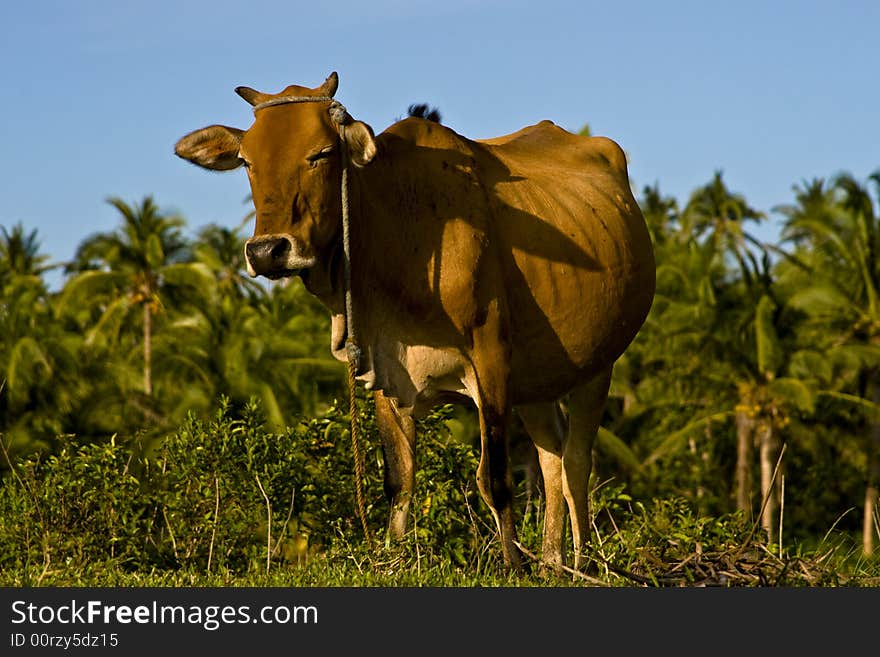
[280, 249]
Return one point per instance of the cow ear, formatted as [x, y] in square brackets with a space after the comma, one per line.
[359, 138]
[215, 147]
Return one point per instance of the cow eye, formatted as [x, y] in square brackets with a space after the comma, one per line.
[324, 153]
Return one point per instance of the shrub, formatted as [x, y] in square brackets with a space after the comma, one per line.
[228, 495]
[82, 504]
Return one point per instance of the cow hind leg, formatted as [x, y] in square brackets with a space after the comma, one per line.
[494, 478]
[398, 435]
[489, 391]
[585, 407]
[546, 426]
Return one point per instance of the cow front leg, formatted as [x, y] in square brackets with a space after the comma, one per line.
[398, 435]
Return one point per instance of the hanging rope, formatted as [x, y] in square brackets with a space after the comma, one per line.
[356, 450]
[352, 350]
[340, 116]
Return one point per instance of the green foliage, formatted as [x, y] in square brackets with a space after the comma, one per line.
[769, 354]
[82, 504]
[660, 531]
[224, 502]
[227, 495]
[150, 328]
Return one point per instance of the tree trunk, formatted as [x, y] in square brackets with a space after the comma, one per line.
[745, 427]
[769, 454]
[148, 336]
[872, 487]
[868, 526]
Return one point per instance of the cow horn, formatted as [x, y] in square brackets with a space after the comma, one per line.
[331, 84]
[252, 96]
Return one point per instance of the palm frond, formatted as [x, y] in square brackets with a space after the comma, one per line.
[870, 409]
[767, 346]
[794, 392]
[90, 287]
[194, 275]
[110, 323]
[677, 440]
[823, 299]
[27, 365]
[612, 445]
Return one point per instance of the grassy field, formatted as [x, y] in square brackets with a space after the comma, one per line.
[757, 566]
[226, 503]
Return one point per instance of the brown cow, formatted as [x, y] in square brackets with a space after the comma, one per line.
[512, 272]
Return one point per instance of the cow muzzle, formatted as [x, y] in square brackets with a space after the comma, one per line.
[275, 256]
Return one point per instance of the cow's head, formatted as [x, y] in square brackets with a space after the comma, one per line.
[293, 154]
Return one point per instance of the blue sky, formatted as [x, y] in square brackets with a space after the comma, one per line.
[96, 92]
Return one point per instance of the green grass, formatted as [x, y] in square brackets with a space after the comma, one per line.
[227, 503]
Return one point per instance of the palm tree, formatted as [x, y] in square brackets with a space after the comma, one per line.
[665, 378]
[838, 230]
[20, 253]
[722, 334]
[140, 266]
[720, 340]
[717, 215]
[815, 202]
[37, 358]
[252, 339]
[222, 250]
[661, 213]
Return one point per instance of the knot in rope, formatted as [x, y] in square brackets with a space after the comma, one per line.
[339, 114]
